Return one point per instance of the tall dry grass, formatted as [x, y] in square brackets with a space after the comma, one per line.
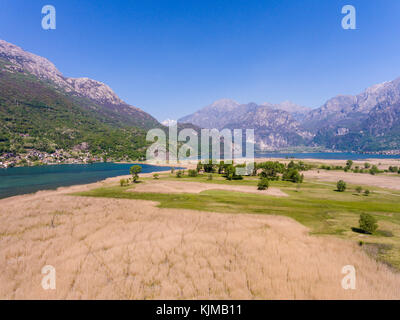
[128, 249]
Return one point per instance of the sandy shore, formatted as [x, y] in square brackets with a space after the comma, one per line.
[130, 249]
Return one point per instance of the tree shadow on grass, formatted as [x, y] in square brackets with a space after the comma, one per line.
[358, 230]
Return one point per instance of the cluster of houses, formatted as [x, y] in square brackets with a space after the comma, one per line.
[35, 157]
[386, 152]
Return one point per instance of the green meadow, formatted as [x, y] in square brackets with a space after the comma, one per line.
[316, 205]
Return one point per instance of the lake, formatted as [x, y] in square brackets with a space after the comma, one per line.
[22, 180]
[326, 155]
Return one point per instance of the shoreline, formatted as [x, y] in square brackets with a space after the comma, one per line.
[190, 164]
[85, 185]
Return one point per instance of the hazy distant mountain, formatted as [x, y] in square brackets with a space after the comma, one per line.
[298, 112]
[215, 115]
[273, 128]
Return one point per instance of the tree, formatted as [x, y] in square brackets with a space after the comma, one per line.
[366, 192]
[367, 165]
[349, 164]
[341, 186]
[368, 223]
[209, 167]
[358, 189]
[263, 184]
[134, 171]
[292, 175]
[271, 169]
[199, 166]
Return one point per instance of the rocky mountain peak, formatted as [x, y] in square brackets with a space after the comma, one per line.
[23, 61]
[94, 90]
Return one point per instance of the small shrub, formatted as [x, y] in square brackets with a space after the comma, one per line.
[359, 189]
[156, 176]
[374, 170]
[123, 182]
[367, 192]
[263, 184]
[192, 173]
[368, 223]
[341, 186]
[180, 173]
[172, 170]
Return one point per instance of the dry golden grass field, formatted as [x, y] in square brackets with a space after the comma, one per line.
[106, 248]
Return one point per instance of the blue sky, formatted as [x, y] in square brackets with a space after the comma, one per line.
[171, 58]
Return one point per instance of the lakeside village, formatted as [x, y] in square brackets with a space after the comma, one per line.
[39, 158]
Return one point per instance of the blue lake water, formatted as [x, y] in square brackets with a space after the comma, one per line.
[15, 181]
[326, 155]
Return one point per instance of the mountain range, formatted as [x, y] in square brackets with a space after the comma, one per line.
[369, 121]
[42, 109]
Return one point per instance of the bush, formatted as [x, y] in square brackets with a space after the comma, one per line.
[123, 182]
[263, 184]
[180, 173]
[358, 189]
[366, 192]
[230, 173]
[368, 223]
[374, 170]
[192, 173]
[341, 186]
[172, 170]
[156, 176]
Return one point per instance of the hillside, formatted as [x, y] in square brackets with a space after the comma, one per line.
[369, 121]
[42, 110]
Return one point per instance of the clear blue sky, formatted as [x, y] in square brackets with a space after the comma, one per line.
[171, 58]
